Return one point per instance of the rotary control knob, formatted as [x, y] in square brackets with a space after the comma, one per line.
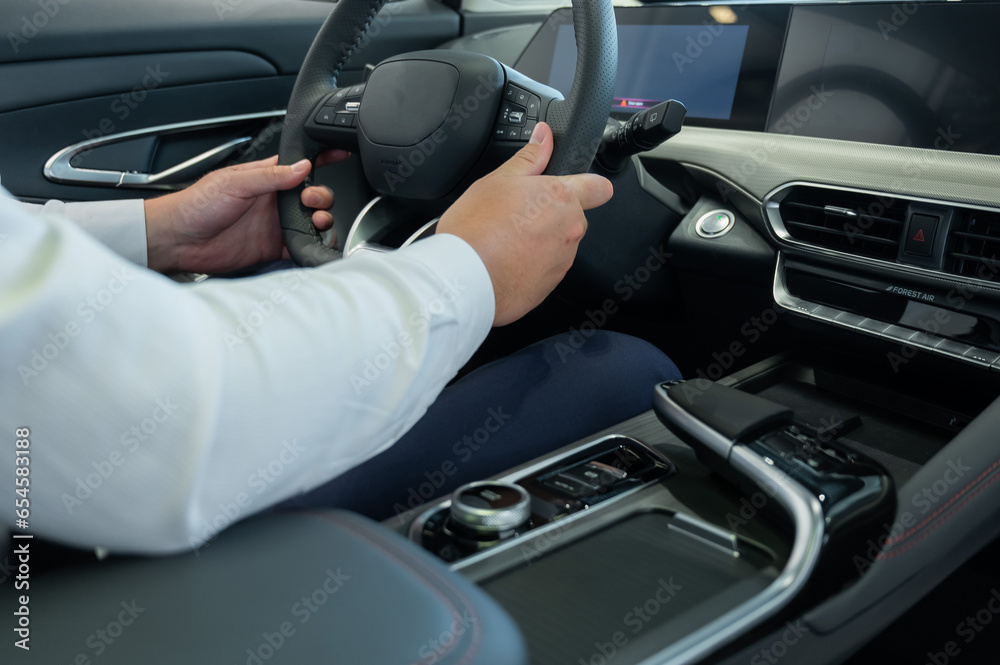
[490, 510]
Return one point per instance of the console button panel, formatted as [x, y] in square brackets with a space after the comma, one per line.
[600, 472]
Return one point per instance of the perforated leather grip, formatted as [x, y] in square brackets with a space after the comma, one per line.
[578, 121]
[337, 40]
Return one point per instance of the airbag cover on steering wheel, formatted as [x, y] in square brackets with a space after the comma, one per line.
[405, 101]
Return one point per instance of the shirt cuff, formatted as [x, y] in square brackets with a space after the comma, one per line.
[118, 225]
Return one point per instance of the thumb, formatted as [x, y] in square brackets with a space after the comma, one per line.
[532, 158]
[269, 178]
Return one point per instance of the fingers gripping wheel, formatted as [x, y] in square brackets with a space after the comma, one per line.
[336, 41]
[371, 117]
[578, 121]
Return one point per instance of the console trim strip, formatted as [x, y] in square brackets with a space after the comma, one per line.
[939, 346]
[806, 514]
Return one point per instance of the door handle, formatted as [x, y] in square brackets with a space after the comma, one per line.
[59, 167]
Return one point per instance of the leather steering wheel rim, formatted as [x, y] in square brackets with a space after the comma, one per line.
[577, 122]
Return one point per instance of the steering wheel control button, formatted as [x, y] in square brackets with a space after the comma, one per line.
[357, 91]
[511, 93]
[325, 116]
[528, 130]
[534, 104]
[512, 114]
[715, 224]
[513, 133]
[920, 233]
[491, 509]
[344, 120]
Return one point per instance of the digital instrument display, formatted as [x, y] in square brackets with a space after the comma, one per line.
[719, 61]
[704, 78]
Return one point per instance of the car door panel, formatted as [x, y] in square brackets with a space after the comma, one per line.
[85, 72]
[44, 82]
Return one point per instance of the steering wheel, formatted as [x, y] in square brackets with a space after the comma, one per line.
[427, 123]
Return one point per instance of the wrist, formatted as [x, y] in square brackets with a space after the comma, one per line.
[161, 245]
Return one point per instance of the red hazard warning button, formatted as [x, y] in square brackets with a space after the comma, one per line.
[920, 234]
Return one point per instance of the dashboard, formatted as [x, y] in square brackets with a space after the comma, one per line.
[860, 141]
[879, 73]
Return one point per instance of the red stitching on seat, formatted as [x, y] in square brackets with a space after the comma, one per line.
[910, 545]
[892, 541]
[389, 549]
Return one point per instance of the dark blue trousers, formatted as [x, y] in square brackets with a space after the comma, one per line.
[503, 414]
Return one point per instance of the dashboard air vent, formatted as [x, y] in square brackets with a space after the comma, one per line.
[853, 222]
[974, 250]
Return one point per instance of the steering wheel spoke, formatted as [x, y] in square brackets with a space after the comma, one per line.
[334, 122]
[524, 104]
[427, 124]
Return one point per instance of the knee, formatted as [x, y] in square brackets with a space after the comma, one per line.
[614, 354]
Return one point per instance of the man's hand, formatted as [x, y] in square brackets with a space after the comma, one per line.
[229, 219]
[526, 227]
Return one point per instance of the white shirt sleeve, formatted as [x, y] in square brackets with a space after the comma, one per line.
[118, 225]
[160, 413]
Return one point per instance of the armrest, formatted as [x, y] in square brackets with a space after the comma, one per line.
[283, 588]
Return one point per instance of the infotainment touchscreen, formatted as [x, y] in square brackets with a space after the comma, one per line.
[918, 75]
[720, 61]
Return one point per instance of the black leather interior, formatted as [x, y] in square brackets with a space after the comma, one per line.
[328, 587]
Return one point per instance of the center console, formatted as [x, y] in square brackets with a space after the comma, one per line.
[672, 536]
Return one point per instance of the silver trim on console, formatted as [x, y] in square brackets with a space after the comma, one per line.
[806, 514]
[907, 337]
[415, 529]
[59, 167]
